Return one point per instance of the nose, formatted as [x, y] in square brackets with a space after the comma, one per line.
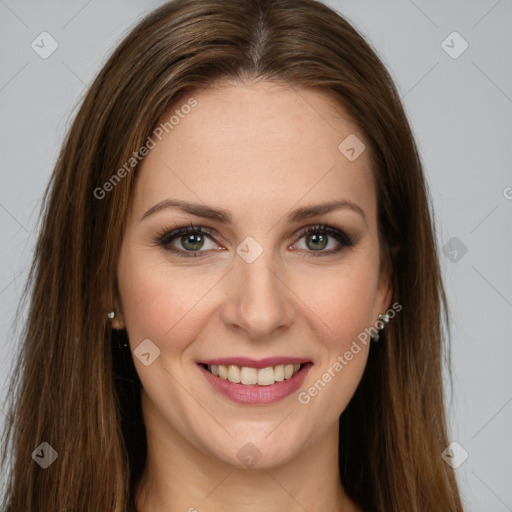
[260, 302]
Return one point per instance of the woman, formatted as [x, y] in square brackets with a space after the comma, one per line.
[236, 300]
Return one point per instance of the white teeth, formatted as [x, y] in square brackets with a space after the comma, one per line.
[279, 373]
[266, 376]
[233, 374]
[251, 376]
[248, 376]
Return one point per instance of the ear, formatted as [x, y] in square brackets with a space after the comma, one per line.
[385, 285]
[118, 322]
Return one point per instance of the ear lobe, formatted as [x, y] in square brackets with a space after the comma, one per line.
[118, 322]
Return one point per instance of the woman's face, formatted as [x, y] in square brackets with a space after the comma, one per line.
[247, 287]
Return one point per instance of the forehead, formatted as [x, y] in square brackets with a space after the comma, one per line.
[252, 145]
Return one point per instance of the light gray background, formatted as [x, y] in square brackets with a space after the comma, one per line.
[461, 112]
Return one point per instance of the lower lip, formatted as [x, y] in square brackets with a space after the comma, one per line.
[257, 395]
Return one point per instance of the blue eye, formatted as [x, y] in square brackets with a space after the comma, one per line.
[194, 240]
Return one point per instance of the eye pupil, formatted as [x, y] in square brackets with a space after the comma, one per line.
[318, 239]
[192, 240]
[195, 239]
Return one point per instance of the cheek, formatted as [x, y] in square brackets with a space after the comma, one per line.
[145, 293]
[341, 300]
[341, 306]
[158, 302]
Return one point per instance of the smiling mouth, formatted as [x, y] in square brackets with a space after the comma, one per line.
[249, 376]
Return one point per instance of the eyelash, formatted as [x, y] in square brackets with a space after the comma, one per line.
[165, 238]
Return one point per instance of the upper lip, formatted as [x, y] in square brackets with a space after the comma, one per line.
[255, 363]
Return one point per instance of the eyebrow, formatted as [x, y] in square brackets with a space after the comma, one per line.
[224, 216]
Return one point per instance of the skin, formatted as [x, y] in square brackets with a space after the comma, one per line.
[258, 151]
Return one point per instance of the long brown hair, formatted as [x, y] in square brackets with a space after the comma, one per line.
[75, 385]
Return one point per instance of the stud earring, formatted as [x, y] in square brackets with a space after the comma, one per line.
[111, 315]
[384, 319]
